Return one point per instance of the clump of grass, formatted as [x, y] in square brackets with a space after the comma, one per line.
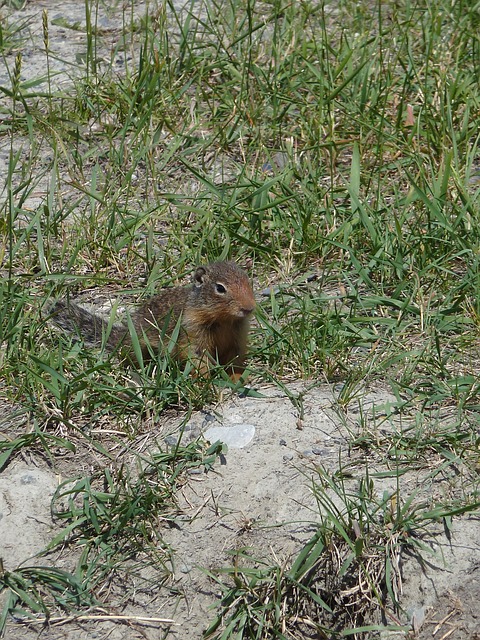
[113, 519]
[346, 578]
[335, 585]
[31, 591]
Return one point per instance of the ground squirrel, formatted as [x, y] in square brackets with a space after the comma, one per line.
[213, 314]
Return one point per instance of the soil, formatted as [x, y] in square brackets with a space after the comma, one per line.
[258, 496]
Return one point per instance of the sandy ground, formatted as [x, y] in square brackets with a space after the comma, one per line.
[260, 497]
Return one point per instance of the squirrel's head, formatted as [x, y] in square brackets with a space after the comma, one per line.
[225, 290]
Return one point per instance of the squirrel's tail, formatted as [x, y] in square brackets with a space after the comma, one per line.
[85, 325]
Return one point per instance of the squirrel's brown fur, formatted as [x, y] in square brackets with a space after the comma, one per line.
[213, 314]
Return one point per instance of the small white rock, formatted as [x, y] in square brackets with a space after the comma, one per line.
[235, 437]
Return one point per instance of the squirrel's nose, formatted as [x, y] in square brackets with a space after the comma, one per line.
[247, 310]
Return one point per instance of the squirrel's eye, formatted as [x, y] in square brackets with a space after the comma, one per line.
[220, 288]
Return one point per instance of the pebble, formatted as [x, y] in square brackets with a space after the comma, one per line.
[235, 437]
[418, 618]
[186, 568]
[315, 451]
[184, 439]
[195, 472]
[269, 290]
[319, 452]
[28, 478]
[188, 433]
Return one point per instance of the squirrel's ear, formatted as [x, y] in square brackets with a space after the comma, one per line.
[199, 277]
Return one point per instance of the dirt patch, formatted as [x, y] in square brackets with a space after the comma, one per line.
[455, 613]
[258, 497]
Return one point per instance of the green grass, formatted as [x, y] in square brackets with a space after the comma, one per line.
[332, 147]
[340, 581]
[112, 524]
